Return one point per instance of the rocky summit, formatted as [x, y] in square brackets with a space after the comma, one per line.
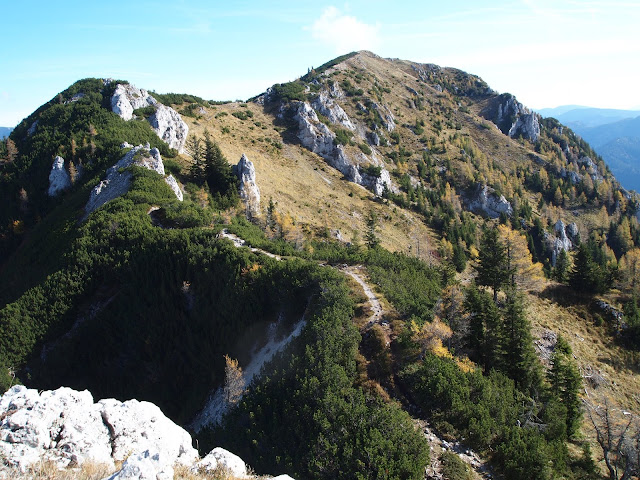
[67, 428]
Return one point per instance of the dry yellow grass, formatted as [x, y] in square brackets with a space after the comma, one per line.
[594, 348]
[301, 183]
[46, 470]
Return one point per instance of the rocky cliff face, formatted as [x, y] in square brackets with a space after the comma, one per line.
[249, 191]
[118, 179]
[527, 125]
[513, 118]
[484, 200]
[564, 238]
[59, 178]
[66, 427]
[166, 122]
[324, 105]
[169, 126]
[318, 137]
[127, 98]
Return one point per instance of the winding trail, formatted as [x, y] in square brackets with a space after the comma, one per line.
[377, 316]
[216, 406]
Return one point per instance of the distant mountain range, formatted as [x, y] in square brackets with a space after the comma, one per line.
[584, 117]
[5, 131]
[614, 134]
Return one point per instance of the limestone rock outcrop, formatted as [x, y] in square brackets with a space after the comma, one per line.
[324, 105]
[317, 137]
[175, 186]
[59, 178]
[118, 179]
[388, 120]
[219, 458]
[485, 201]
[169, 126]
[513, 118]
[166, 122]
[249, 191]
[312, 133]
[377, 184]
[591, 167]
[147, 465]
[66, 427]
[527, 125]
[126, 98]
[563, 238]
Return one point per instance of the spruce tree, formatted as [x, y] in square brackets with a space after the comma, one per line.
[561, 270]
[586, 275]
[565, 383]
[372, 225]
[485, 329]
[520, 359]
[492, 262]
[218, 172]
[195, 148]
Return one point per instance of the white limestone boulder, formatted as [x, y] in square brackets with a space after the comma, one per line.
[138, 426]
[59, 178]
[221, 459]
[126, 98]
[165, 121]
[249, 191]
[324, 105]
[485, 201]
[169, 126]
[146, 465]
[62, 425]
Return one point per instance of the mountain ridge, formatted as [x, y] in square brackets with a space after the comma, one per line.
[361, 153]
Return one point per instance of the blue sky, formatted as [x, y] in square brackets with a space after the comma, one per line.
[547, 53]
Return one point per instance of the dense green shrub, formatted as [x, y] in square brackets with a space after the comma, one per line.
[306, 418]
[366, 149]
[169, 99]
[243, 114]
[372, 170]
[453, 468]
[145, 112]
[343, 136]
[492, 415]
[288, 91]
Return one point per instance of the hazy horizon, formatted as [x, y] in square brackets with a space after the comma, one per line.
[546, 53]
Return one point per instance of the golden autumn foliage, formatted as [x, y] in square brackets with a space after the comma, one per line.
[630, 270]
[431, 336]
[233, 381]
[526, 274]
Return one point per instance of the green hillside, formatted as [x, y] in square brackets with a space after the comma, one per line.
[503, 250]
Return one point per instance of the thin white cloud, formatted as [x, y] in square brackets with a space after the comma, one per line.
[344, 33]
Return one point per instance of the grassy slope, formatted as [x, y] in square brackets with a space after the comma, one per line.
[302, 184]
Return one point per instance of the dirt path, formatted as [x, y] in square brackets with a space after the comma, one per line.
[216, 406]
[239, 242]
[377, 315]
